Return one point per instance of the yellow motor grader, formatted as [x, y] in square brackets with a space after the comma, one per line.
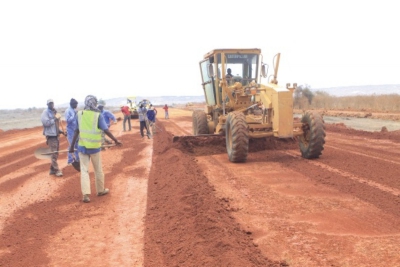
[131, 101]
[241, 108]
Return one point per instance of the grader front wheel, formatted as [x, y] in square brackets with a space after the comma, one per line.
[200, 125]
[237, 137]
[312, 140]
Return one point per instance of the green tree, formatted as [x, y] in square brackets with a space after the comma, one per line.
[307, 93]
[301, 94]
[297, 94]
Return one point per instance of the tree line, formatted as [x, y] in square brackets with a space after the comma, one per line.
[304, 98]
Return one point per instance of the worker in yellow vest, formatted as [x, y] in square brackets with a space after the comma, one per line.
[91, 123]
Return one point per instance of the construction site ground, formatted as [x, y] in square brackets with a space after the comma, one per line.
[184, 204]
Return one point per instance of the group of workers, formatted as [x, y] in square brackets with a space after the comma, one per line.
[86, 131]
[147, 118]
[89, 127]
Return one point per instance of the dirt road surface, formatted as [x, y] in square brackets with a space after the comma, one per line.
[185, 204]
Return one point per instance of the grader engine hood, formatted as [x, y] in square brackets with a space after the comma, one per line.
[276, 99]
[279, 101]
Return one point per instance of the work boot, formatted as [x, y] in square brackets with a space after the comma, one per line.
[59, 174]
[86, 199]
[105, 192]
[148, 135]
[52, 172]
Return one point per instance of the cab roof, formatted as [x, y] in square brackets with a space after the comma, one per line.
[233, 51]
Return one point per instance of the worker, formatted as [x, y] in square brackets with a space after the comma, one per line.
[127, 116]
[151, 116]
[229, 74]
[108, 117]
[143, 120]
[51, 129]
[70, 118]
[90, 124]
[165, 108]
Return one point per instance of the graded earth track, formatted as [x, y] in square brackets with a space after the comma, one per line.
[185, 204]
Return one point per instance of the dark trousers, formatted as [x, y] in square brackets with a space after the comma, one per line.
[54, 144]
[127, 118]
[143, 125]
[70, 135]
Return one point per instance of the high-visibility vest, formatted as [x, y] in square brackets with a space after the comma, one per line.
[89, 133]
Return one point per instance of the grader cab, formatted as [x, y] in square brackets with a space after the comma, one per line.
[241, 108]
[131, 101]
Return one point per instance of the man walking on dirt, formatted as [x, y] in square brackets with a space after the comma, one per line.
[127, 116]
[143, 120]
[72, 125]
[151, 116]
[165, 108]
[90, 125]
[51, 129]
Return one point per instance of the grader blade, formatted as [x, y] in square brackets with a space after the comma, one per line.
[177, 138]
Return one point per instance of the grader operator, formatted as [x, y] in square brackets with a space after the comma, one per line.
[241, 108]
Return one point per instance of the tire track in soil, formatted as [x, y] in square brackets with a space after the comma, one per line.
[337, 177]
[363, 154]
[361, 180]
[381, 149]
[370, 167]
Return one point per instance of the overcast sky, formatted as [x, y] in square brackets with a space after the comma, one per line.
[63, 49]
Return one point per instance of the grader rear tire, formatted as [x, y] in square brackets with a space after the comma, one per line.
[237, 137]
[200, 125]
[312, 140]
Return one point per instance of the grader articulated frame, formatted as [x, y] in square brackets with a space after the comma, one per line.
[241, 108]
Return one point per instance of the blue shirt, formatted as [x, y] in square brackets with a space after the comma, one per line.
[102, 126]
[151, 115]
[108, 116]
[71, 119]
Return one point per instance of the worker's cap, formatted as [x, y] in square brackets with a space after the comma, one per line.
[50, 101]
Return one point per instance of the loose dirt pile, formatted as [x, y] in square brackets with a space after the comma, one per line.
[186, 225]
